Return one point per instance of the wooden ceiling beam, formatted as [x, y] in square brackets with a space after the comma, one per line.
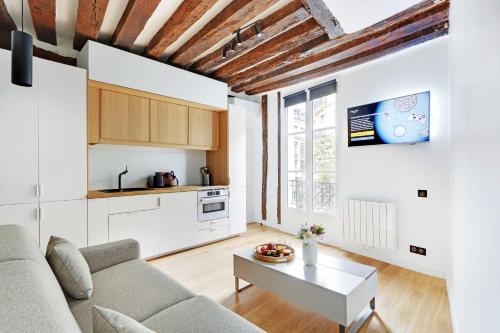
[298, 59]
[43, 15]
[283, 59]
[88, 21]
[188, 13]
[232, 17]
[52, 56]
[270, 26]
[324, 17]
[359, 58]
[7, 24]
[289, 39]
[132, 22]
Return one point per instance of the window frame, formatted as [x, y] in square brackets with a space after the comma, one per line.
[309, 211]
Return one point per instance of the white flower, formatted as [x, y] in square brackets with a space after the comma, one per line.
[308, 235]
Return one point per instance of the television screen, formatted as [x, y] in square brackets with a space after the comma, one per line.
[398, 120]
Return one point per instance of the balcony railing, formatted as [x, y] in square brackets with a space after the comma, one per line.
[324, 195]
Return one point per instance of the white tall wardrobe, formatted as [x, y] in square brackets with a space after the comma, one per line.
[43, 151]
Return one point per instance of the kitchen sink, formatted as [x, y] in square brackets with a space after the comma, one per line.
[131, 189]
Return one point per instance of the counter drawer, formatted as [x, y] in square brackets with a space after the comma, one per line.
[213, 223]
[133, 203]
[212, 233]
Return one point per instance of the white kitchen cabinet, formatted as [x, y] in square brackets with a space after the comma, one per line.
[66, 219]
[141, 226]
[237, 169]
[216, 229]
[133, 203]
[62, 131]
[179, 220]
[25, 215]
[237, 146]
[97, 212]
[112, 65]
[237, 210]
[18, 137]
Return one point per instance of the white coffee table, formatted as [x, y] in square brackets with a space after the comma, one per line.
[338, 289]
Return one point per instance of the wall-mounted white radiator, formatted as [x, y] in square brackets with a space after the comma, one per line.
[370, 223]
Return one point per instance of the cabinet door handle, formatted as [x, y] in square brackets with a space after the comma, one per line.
[159, 202]
[213, 228]
[37, 191]
[40, 214]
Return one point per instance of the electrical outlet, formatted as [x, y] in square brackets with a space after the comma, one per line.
[418, 250]
[422, 193]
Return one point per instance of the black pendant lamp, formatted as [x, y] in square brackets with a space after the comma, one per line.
[22, 55]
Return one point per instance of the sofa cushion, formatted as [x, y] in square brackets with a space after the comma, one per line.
[17, 243]
[199, 314]
[70, 268]
[109, 321]
[31, 300]
[134, 288]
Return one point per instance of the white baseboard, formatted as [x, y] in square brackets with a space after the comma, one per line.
[388, 257]
[385, 256]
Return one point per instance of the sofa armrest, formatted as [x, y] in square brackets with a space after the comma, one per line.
[102, 256]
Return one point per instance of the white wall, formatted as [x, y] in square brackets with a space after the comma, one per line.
[390, 172]
[107, 161]
[394, 173]
[474, 277]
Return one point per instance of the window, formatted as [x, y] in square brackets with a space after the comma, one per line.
[310, 123]
[323, 158]
[296, 155]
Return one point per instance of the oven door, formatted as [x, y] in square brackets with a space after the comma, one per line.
[212, 208]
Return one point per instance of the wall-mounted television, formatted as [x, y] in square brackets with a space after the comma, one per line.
[398, 120]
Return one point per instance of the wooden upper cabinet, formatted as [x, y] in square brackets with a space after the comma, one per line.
[203, 128]
[124, 117]
[169, 123]
[93, 115]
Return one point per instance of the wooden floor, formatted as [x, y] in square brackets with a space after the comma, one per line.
[407, 301]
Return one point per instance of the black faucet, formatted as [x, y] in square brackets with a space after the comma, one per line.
[120, 178]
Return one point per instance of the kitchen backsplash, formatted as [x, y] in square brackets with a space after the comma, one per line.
[107, 161]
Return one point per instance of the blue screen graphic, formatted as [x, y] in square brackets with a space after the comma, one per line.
[398, 120]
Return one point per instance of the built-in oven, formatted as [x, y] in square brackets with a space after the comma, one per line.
[213, 204]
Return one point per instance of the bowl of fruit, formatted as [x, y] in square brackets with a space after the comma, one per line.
[274, 253]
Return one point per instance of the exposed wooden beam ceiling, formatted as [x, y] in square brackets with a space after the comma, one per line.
[232, 17]
[289, 39]
[324, 17]
[280, 60]
[132, 22]
[358, 58]
[88, 21]
[270, 26]
[6, 26]
[188, 12]
[52, 56]
[43, 15]
[298, 61]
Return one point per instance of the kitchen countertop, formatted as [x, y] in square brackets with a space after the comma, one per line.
[183, 188]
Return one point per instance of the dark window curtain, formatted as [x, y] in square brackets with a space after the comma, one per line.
[323, 90]
[294, 99]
